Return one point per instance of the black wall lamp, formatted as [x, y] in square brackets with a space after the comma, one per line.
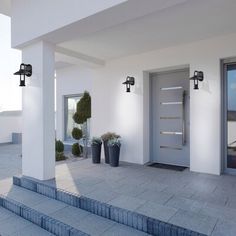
[197, 76]
[129, 81]
[25, 70]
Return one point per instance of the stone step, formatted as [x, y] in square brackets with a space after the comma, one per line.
[67, 216]
[45, 222]
[14, 225]
[129, 219]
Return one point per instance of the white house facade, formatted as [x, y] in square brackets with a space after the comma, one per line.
[95, 47]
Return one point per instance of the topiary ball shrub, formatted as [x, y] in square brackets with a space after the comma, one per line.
[59, 146]
[83, 111]
[77, 133]
[60, 156]
[76, 149]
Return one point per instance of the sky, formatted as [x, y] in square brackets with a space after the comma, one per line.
[10, 59]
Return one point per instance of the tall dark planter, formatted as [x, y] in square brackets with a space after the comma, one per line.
[114, 155]
[106, 152]
[96, 153]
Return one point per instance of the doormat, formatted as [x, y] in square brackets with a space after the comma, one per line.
[168, 167]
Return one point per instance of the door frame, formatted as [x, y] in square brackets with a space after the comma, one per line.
[224, 149]
[147, 129]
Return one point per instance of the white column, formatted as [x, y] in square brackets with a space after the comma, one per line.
[38, 143]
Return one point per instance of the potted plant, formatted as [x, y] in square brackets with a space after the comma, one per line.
[114, 151]
[59, 146]
[77, 134]
[81, 117]
[76, 150]
[96, 145]
[105, 138]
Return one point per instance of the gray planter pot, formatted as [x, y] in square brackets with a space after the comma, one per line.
[96, 153]
[106, 152]
[114, 155]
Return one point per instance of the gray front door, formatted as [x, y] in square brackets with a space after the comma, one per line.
[170, 117]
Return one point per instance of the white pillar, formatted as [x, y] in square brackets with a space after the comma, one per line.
[38, 143]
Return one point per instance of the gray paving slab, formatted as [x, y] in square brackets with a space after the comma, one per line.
[12, 225]
[224, 228]
[155, 196]
[102, 195]
[130, 190]
[5, 185]
[157, 211]
[185, 204]
[94, 225]
[49, 206]
[129, 203]
[24, 196]
[32, 230]
[89, 180]
[10, 158]
[211, 198]
[194, 221]
[5, 214]
[70, 214]
[122, 230]
[80, 189]
[154, 185]
[221, 212]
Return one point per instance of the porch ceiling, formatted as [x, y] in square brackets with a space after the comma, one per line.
[183, 23]
[5, 7]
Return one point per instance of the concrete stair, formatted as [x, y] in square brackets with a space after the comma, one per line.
[59, 218]
[62, 213]
[14, 225]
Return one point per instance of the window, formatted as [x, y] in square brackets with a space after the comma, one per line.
[70, 109]
[231, 115]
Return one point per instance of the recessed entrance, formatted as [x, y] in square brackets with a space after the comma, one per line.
[170, 117]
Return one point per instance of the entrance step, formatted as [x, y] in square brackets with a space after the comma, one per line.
[92, 216]
[45, 222]
[14, 225]
[60, 218]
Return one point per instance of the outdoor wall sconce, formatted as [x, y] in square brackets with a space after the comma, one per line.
[129, 81]
[25, 70]
[197, 76]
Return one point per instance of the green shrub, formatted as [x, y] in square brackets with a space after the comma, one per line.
[109, 135]
[77, 133]
[59, 146]
[76, 149]
[96, 141]
[114, 142]
[83, 111]
[60, 156]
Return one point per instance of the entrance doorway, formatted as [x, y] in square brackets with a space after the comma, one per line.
[170, 117]
[229, 119]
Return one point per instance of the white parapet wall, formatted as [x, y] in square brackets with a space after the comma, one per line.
[10, 122]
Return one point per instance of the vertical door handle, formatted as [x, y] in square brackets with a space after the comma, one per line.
[183, 118]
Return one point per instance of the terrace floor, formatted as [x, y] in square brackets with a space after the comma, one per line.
[200, 202]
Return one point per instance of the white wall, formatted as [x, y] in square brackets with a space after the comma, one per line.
[10, 92]
[115, 110]
[10, 59]
[69, 81]
[9, 124]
